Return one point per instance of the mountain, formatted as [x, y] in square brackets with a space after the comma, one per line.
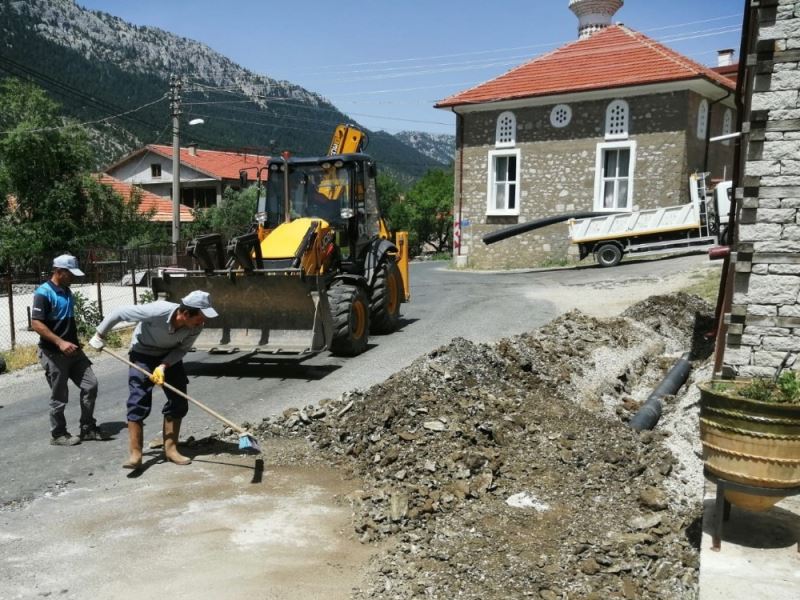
[440, 147]
[97, 65]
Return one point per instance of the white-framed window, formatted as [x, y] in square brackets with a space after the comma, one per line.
[561, 115]
[702, 119]
[614, 168]
[617, 120]
[727, 125]
[502, 194]
[506, 133]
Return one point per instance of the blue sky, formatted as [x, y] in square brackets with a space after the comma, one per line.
[385, 63]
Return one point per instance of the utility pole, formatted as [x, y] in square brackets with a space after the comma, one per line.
[175, 107]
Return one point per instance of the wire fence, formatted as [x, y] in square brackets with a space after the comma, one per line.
[113, 278]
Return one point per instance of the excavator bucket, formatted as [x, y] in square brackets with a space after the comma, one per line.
[270, 312]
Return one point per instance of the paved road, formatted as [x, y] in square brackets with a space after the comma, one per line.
[480, 306]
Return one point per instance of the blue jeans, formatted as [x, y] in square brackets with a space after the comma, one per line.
[140, 388]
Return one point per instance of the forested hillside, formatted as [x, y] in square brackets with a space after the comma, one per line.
[96, 65]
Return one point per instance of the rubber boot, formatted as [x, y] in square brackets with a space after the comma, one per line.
[135, 441]
[172, 429]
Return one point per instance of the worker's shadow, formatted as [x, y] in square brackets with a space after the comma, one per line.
[205, 448]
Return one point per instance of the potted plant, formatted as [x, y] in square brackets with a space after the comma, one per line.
[750, 430]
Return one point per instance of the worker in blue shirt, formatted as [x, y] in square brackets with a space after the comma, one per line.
[164, 333]
[63, 360]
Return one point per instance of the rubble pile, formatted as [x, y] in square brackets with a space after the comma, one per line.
[504, 470]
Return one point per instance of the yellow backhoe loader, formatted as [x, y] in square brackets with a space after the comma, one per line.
[319, 269]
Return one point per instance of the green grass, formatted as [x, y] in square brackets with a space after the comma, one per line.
[706, 286]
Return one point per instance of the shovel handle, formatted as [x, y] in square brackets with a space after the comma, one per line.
[197, 403]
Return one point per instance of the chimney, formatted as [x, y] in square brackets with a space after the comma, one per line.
[593, 15]
[725, 57]
[192, 149]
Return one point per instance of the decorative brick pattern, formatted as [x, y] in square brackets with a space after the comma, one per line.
[767, 277]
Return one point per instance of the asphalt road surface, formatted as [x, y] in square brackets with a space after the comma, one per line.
[479, 306]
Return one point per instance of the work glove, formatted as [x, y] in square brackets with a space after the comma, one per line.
[158, 375]
[97, 342]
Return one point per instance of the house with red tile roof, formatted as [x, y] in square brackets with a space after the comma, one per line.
[158, 209]
[614, 121]
[204, 174]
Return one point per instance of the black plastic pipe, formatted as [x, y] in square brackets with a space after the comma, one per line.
[496, 236]
[650, 412]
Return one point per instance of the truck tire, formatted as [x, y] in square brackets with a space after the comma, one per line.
[608, 255]
[350, 313]
[387, 294]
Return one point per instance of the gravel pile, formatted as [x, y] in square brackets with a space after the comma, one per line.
[508, 471]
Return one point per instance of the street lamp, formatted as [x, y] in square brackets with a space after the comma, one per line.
[176, 178]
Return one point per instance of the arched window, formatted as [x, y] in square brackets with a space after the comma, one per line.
[702, 119]
[617, 120]
[506, 133]
[727, 125]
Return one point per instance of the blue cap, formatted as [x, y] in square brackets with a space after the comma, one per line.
[68, 262]
[200, 300]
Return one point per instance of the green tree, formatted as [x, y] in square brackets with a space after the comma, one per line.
[50, 201]
[232, 217]
[426, 212]
[390, 193]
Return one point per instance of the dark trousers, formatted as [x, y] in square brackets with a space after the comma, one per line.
[140, 388]
[60, 369]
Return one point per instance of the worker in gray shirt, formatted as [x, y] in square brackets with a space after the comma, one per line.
[164, 333]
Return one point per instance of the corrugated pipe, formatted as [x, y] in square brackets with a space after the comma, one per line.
[496, 236]
[650, 412]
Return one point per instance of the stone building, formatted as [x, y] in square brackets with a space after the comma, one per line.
[614, 121]
[764, 318]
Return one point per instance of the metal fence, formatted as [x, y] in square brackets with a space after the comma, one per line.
[113, 278]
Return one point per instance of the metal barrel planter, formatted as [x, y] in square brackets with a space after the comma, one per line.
[749, 442]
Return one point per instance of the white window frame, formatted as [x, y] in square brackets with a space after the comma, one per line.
[599, 178]
[491, 209]
[497, 135]
[627, 119]
[702, 119]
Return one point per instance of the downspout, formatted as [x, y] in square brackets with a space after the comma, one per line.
[460, 149]
[708, 129]
[749, 32]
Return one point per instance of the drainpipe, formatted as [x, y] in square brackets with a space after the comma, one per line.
[708, 129]
[460, 149]
[650, 412]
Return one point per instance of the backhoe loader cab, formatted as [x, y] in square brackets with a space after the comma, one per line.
[318, 270]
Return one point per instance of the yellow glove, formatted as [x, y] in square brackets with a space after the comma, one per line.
[158, 375]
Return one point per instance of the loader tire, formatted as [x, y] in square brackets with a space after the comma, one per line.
[387, 294]
[350, 312]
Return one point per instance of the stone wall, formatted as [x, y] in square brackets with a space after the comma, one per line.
[557, 171]
[764, 323]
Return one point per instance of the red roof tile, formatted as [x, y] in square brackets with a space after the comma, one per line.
[217, 164]
[612, 58]
[162, 207]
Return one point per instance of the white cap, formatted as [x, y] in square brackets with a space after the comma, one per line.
[68, 262]
[201, 300]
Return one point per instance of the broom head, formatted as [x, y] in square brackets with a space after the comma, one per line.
[247, 443]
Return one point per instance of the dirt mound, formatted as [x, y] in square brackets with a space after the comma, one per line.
[503, 471]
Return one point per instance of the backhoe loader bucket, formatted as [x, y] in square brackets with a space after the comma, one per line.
[271, 312]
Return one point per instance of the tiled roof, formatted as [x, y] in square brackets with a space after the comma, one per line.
[162, 207]
[729, 71]
[217, 164]
[612, 58]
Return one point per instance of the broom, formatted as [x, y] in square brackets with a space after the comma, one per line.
[247, 442]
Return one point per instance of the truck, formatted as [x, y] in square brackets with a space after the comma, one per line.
[700, 224]
[318, 270]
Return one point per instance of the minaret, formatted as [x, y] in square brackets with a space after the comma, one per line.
[593, 15]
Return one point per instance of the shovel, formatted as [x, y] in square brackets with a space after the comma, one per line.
[246, 441]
